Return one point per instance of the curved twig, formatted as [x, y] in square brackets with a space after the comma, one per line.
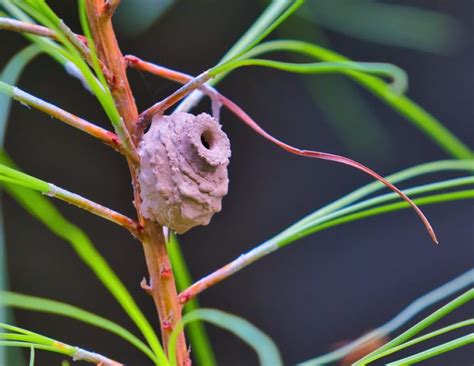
[27, 99]
[199, 81]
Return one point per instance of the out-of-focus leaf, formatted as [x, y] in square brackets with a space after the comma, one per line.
[34, 303]
[397, 75]
[435, 351]
[436, 333]
[10, 74]
[42, 209]
[275, 14]
[416, 307]
[420, 326]
[351, 118]
[135, 17]
[345, 210]
[265, 348]
[356, 125]
[390, 24]
[32, 357]
[20, 337]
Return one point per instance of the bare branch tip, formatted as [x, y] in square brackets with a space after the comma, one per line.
[109, 7]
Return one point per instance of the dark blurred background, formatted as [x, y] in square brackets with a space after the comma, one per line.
[329, 287]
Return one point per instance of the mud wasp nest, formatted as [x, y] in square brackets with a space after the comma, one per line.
[183, 173]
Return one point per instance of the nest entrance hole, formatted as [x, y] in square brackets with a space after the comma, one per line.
[207, 139]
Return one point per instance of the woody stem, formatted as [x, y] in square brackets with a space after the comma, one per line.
[162, 285]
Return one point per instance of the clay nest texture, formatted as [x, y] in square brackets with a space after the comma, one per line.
[183, 173]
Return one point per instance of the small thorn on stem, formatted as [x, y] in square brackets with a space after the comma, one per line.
[165, 272]
[131, 60]
[188, 361]
[184, 297]
[166, 234]
[148, 287]
[166, 324]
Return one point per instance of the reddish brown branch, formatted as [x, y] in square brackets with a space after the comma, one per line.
[168, 102]
[110, 54]
[325, 156]
[102, 134]
[162, 288]
[162, 285]
[96, 209]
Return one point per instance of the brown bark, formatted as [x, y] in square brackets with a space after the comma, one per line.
[162, 286]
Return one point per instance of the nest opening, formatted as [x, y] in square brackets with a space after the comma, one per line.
[207, 139]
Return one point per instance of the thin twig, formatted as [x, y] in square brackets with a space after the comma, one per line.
[163, 105]
[325, 156]
[95, 358]
[79, 41]
[199, 82]
[173, 75]
[76, 353]
[95, 208]
[102, 134]
[228, 270]
[24, 27]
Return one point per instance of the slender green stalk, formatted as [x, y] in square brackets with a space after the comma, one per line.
[276, 12]
[413, 112]
[280, 241]
[427, 168]
[41, 12]
[72, 120]
[33, 303]
[432, 187]
[398, 75]
[10, 75]
[260, 34]
[435, 351]
[66, 352]
[26, 338]
[263, 345]
[438, 198]
[34, 183]
[416, 307]
[93, 53]
[16, 177]
[32, 356]
[47, 45]
[423, 338]
[42, 209]
[420, 326]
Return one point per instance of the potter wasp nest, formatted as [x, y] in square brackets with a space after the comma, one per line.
[183, 172]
